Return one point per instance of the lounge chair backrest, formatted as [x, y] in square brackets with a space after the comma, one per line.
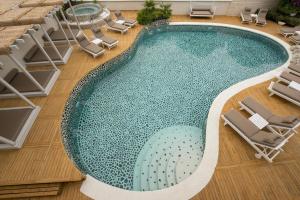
[257, 108]
[291, 93]
[30, 53]
[297, 28]
[82, 40]
[202, 8]
[50, 30]
[242, 123]
[109, 21]
[247, 10]
[262, 13]
[97, 32]
[119, 15]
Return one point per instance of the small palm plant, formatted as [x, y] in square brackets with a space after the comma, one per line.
[149, 5]
[165, 10]
[150, 13]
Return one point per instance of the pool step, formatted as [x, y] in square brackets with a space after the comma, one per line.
[140, 162]
[167, 158]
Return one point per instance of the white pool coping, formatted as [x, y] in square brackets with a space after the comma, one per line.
[199, 179]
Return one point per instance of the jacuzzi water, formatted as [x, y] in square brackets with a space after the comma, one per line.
[86, 10]
[138, 122]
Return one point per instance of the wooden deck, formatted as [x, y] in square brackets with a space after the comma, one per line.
[239, 175]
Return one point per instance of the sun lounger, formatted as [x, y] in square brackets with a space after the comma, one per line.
[111, 25]
[35, 56]
[22, 83]
[267, 144]
[261, 17]
[283, 126]
[295, 39]
[285, 92]
[288, 31]
[127, 22]
[295, 47]
[288, 77]
[88, 46]
[12, 121]
[294, 68]
[59, 37]
[107, 41]
[246, 15]
[16, 122]
[205, 11]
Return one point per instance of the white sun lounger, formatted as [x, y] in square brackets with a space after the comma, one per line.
[287, 77]
[267, 144]
[106, 41]
[111, 25]
[246, 15]
[295, 39]
[283, 91]
[127, 22]
[283, 126]
[261, 17]
[202, 11]
[89, 47]
[289, 31]
[16, 122]
[294, 68]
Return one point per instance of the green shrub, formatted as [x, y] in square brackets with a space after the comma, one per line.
[150, 13]
[283, 13]
[145, 17]
[292, 21]
[165, 11]
[286, 7]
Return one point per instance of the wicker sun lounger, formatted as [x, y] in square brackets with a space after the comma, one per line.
[283, 126]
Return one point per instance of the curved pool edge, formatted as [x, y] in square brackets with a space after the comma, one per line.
[199, 179]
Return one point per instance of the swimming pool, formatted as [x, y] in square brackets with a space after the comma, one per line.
[120, 114]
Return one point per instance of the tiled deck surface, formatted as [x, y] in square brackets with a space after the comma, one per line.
[239, 175]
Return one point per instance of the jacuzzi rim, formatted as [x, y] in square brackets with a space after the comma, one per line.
[192, 185]
[70, 13]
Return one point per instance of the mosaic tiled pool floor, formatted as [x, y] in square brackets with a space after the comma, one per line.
[168, 157]
[127, 123]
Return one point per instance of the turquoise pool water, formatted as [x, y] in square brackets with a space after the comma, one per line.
[138, 122]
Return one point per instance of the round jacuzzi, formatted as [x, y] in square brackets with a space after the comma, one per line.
[84, 12]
